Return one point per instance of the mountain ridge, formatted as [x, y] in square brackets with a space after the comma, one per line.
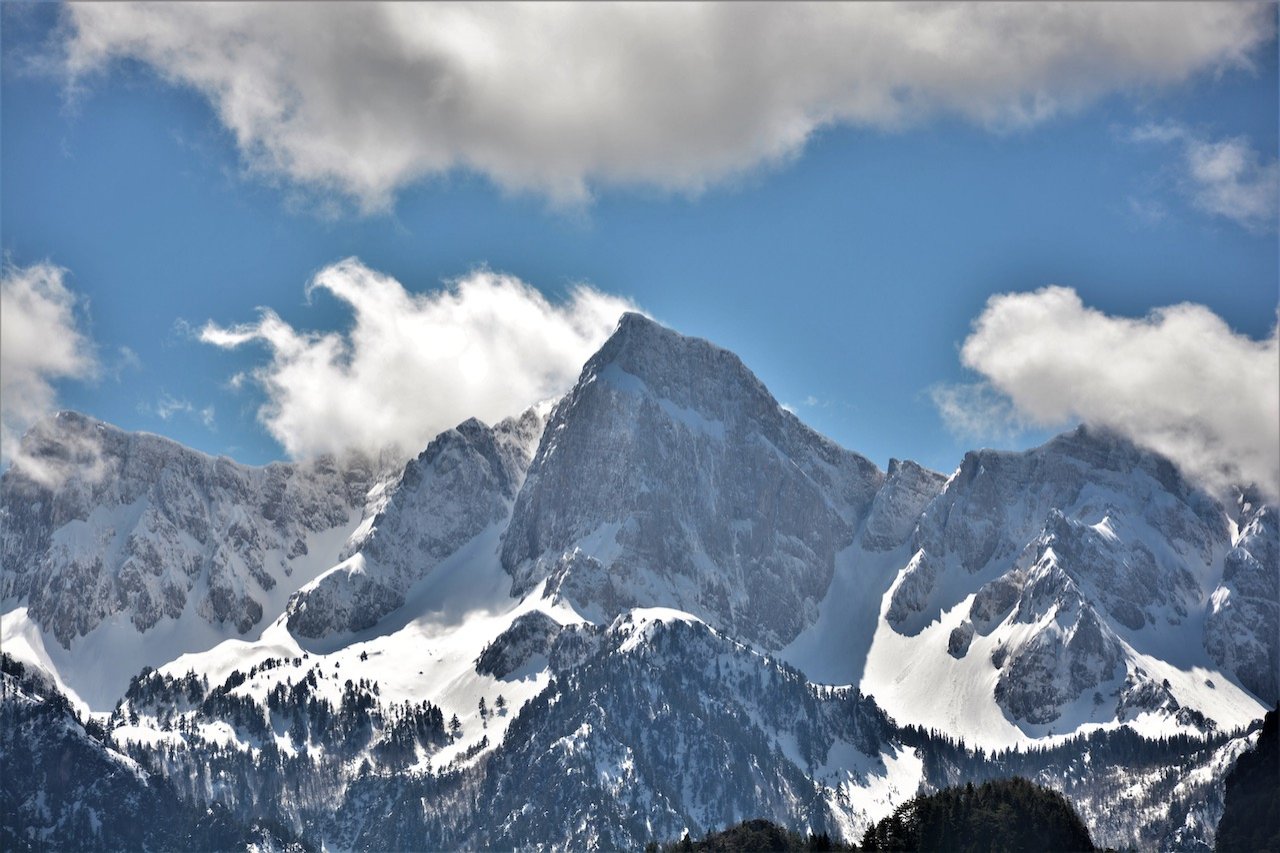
[666, 509]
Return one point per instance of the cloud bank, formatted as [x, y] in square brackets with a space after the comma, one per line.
[1178, 381]
[40, 343]
[413, 365]
[361, 100]
[1224, 177]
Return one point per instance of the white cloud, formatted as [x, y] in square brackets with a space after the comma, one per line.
[1224, 177]
[40, 342]
[1179, 381]
[363, 99]
[413, 365]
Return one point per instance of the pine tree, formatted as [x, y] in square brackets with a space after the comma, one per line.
[455, 726]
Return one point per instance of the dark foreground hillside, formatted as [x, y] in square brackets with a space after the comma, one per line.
[1251, 813]
[1006, 814]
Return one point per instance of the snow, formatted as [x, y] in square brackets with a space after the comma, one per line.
[833, 649]
[692, 419]
[637, 624]
[862, 790]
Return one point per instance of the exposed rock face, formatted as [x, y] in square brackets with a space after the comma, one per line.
[907, 490]
[672, 468]
[995, 600]
[144, 527]
[461, 484]
[1243, 624]
[960, 639]
[1069, 652]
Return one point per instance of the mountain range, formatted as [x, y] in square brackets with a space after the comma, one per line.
[658, 604]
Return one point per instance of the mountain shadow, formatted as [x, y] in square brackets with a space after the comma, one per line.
[1251, 812]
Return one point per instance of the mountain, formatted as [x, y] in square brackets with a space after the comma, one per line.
[1244, 618]
[660, 604]
[465, 481]
[141, 549]
[670, 477]
[1075, 584]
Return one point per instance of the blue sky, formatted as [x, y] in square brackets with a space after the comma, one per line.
[846, 273]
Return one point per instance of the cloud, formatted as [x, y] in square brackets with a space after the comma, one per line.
[40, 343]
[1178, 381]
[126, 359]
[168, 406]
[413, 365]
[1224, 177]
[361, 100]
[1231, 180]
[977, 409]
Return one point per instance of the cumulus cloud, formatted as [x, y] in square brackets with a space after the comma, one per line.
[1179, 381]
[1224, 177]
[363, 99]
[40, 343]
[413, 365]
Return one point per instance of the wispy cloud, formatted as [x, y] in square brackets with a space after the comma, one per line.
[1179, 381]
[413, 365]
[168, 406]
[360, 100]
[1227, 178]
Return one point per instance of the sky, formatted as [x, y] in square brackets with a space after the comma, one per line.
[269, 231]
